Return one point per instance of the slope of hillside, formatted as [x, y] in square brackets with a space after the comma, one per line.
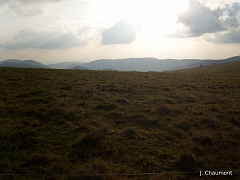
[233, 59]
[65, 124]
[232, 67]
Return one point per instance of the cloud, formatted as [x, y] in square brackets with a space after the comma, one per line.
[31, 7]
[27, 10]
[199, 19]
[122, 32]
[26, 2]
[88, 33]
[233, 16]
[26, 7]
[183, 33]
[228, 37]
[43, 39]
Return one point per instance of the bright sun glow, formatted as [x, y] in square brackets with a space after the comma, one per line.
[155, 19]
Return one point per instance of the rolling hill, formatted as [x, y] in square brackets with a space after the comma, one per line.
[129, 64]
[138, 64]
[65, 65]
[145, 64]
[22, 64]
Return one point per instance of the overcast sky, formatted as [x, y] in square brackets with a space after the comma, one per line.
[52, 31]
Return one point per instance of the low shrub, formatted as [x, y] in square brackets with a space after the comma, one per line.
[106, 107]
[122, 101]
[203, 140]
[129, 132]
[187, 162]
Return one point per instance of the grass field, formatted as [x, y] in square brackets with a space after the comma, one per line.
[58, 124]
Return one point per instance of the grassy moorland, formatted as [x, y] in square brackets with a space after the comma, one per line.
[58, 124]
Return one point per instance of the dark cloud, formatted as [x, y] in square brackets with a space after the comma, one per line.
[122, 32]
[218, 12]
[234, 8]
[199, 19]
[43, 39]
[233, 16]
[228, 37]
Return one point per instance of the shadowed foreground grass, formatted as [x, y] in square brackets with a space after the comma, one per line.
[58, 124]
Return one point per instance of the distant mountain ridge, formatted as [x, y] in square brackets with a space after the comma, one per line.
[128, 64]
[153, 64]
[22, 64]
[65, 65]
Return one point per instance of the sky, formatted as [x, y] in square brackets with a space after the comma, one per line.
[51, 31]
